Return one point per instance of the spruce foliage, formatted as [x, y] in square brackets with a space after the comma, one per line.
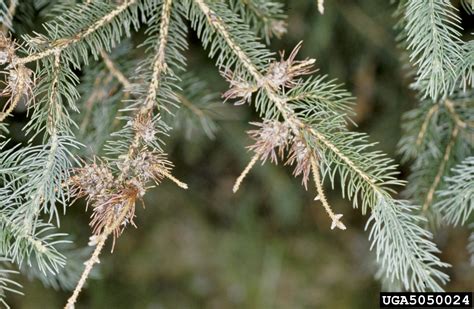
[304, 124]
[438, 133]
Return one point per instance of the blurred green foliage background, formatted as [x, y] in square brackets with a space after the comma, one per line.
[269, 245]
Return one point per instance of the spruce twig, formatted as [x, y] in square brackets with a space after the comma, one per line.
[336, 219]
[94, 259]
[114, 70]
[143, 115]
[373, 190]
[303, 123]
[244, 173]
[61, 44]
[441, 168]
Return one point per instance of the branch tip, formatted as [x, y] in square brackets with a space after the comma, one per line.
[336, 218]
[245, 172]
[175, 180]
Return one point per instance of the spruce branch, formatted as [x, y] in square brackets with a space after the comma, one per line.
[465, 67]
[48, 167]
[100, 240]
[413, 260]
[45, 186]
[303, 123]
[460, 123]
[244, 173]
[425, 124]
[38, 247]
[436, 138]
[431, 30]
[57, 82]
[159, 68]
[114, 70]
[298, 127]
[114, 198]
[426, 128]
[339, 150]
[280, 102]
[159, 64]
[264, 17]
[441, 168]
[456, 198]
[6, 283]
[97, 95]
[58, 45]
[34, 175]
[443, 74]
[336, 219]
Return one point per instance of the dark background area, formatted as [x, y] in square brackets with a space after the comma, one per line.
[269, 245]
